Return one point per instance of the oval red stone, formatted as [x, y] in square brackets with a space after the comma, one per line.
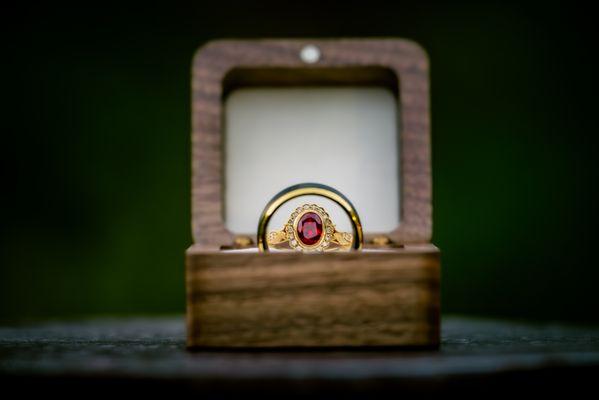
[309, 228]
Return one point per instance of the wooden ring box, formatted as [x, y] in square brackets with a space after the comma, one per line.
[385, 295]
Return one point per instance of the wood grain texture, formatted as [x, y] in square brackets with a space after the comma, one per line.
[386, 298]
[278, 61]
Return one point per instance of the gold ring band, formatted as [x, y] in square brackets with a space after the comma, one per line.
[339, 239]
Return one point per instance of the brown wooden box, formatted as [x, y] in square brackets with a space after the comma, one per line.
[385, 295]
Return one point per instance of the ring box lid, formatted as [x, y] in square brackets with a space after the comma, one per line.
[242, 91]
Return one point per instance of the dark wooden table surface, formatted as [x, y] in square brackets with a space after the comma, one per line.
[147, 355]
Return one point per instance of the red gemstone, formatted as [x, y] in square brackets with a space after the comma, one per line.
[309, 228]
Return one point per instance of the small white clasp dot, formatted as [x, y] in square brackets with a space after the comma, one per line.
[310, 54]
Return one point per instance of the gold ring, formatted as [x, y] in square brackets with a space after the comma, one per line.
[309, 227]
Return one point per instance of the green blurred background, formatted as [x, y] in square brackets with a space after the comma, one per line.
[96, 149]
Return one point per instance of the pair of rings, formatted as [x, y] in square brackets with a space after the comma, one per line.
[309, 227]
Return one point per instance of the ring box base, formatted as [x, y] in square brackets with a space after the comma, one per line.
[246, 299]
